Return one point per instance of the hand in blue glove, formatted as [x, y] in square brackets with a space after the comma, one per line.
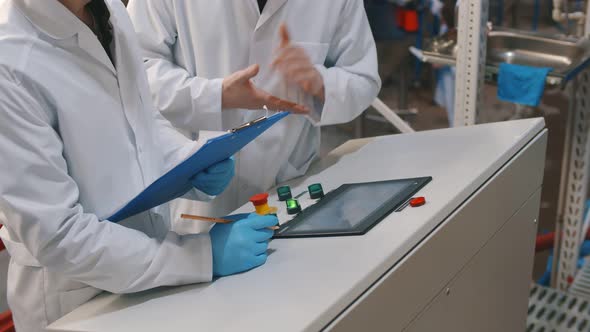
[216, 178]
[241, 245]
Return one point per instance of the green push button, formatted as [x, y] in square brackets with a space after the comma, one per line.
[284, 193]
[293, 206]
[316, 191]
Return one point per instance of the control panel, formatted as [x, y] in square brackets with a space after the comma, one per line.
[350, 208]
[291, 204]
[295, 203]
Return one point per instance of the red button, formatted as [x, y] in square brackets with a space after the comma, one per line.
[417, 201]
[259, 199]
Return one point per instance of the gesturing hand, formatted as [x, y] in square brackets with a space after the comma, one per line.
[239, 92]
[297, 67]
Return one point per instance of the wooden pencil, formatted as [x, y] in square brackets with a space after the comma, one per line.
[215, 220]
[201, 218]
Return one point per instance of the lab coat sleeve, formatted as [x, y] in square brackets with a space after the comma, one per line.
[176, 148]
[189, 102]
[351, 78]
[41, 203]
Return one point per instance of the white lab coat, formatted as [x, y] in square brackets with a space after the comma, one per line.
[189, 46]
[79, 137]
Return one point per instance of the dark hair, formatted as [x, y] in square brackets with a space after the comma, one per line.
[101, 14]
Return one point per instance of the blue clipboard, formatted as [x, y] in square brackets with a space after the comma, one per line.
[177, 181]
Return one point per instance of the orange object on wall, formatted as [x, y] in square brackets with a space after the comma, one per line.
[410, 20]
[407, 19]
[400, 16]
[6, 323]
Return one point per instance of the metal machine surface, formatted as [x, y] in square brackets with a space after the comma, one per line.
[561, 54]
[567, 56]
[457, 263]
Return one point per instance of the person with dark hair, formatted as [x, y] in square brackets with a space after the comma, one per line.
[79, 137]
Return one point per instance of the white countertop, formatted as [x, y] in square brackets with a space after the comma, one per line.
[306, 283]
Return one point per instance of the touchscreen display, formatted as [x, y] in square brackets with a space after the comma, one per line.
[350, 207]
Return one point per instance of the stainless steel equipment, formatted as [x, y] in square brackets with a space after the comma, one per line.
[567, 56]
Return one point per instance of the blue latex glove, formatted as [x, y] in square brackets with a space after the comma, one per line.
[241, 245]
[216, 178]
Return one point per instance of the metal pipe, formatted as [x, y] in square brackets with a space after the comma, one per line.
[556, 13]
[391, 116]
[563, 182]
[567, 17]
[564, 16]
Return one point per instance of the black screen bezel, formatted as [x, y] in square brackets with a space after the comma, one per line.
[366, 224]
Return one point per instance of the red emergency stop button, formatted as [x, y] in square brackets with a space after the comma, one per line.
[417, 201]
[259, 199]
